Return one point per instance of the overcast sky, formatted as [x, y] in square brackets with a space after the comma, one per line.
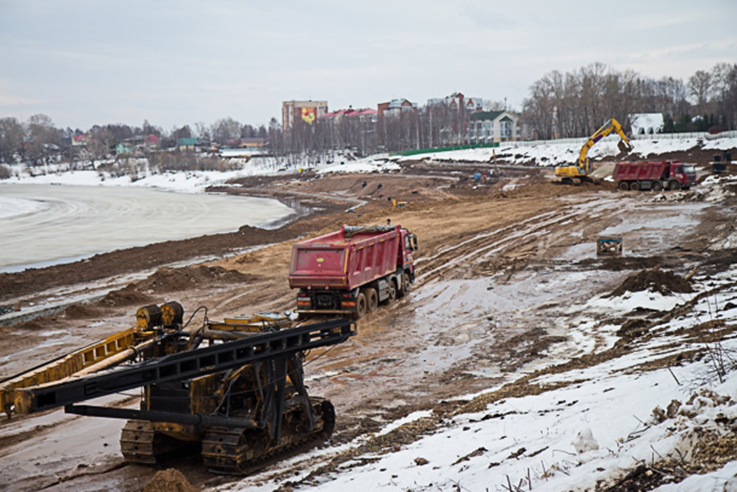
[85, 62]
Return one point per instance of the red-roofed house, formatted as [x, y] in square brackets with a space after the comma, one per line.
[81, 140]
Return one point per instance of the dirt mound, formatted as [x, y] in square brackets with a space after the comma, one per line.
[30, 326]
[177, 279]
[124, 297]
[655, 281]
[169, 480]
[80, 311]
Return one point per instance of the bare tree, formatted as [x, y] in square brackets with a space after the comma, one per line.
[102, 141]
[700, 85]
[43, 139]
[225, 129]
[11, 138]
[201, 130]
[490, 105]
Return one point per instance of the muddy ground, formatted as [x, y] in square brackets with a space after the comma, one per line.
[500, 260]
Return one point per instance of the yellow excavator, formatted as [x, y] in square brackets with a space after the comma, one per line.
[583, 168]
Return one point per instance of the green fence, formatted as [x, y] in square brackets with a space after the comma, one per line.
[447, 149]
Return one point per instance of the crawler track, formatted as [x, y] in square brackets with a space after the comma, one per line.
[140, 443]
[239, 451]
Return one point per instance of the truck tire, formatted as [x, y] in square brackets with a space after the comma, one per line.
[635, 186]
[372, 300]
[392, 292]
[361, 306]
[673, 185]
[404, 290]
[657, 186]
[623, 185]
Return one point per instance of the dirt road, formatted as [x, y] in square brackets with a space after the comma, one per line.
[499, 265]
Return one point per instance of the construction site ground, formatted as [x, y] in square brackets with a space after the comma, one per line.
[501, 261]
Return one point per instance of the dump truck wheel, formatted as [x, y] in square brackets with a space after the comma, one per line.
[657, 186]
[392, 292]
[673, 185]
[361, 306]
[405, 286]
[623, 185]
[372, 300]
[635, 186]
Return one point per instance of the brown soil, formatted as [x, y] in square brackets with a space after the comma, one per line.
[169, 480]
[655, 281]
[124, 297]
[178, 279]
[81, 311]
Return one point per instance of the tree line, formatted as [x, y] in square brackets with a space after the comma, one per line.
[575, 104]
[38, 141]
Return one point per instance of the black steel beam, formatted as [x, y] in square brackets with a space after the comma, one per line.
[177, 418]
[187, 365]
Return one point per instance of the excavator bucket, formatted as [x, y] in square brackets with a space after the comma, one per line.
[624, 146]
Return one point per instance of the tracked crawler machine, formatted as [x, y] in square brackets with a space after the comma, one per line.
[235, 388]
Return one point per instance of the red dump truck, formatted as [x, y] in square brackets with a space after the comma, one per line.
[349, 272]
[654, 176]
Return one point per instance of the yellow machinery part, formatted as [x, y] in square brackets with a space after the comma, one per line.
[69, 365]
[172, 313]
[148, 317]
[254, 323]
[567, 172]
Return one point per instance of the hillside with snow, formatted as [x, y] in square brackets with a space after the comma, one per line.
[556, 152]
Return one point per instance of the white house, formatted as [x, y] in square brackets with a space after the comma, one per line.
[493, 126]
[646, 123]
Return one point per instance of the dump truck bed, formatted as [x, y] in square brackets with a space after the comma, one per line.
[636, 171]
[344, 259]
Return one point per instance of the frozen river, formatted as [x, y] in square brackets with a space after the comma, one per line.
[47, 224]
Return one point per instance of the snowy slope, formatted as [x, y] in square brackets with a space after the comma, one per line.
[575, 426]
[554, 152]
[192, 181]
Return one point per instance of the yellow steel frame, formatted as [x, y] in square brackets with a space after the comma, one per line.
[68, 366]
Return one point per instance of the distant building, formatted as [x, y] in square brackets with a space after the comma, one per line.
[366, 115]
[253, 143]
[395, 107]
[190, 144]
[81, 140]
[305, 111]
[349, 127]
[387, 111]
[138, 144]
[646, 123]
[458, 100]
[125, 148]
[493, 126]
